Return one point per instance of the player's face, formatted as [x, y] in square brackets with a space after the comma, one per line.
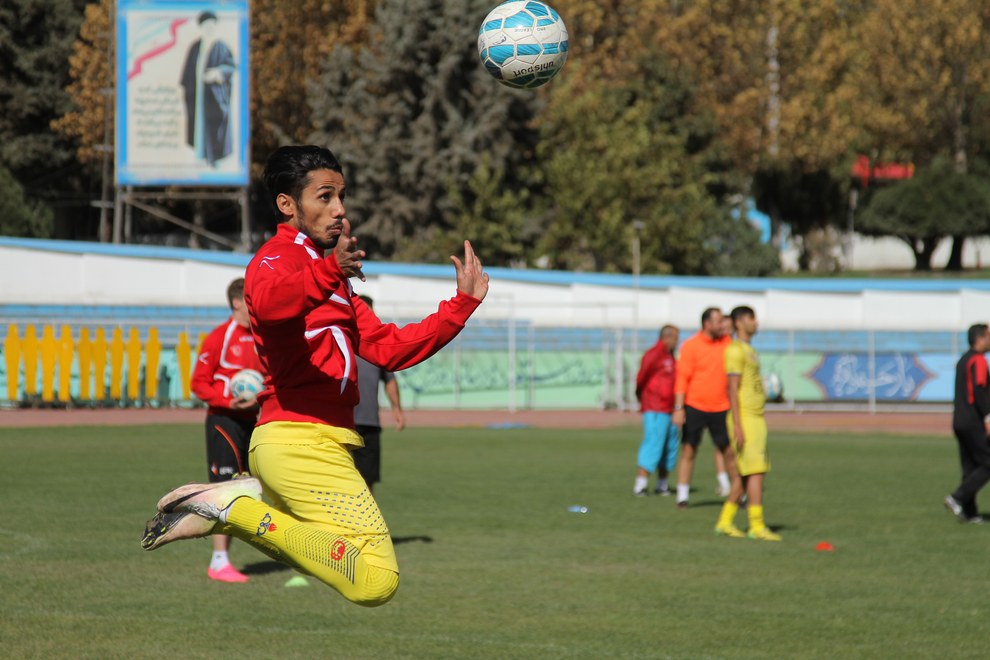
[747, 325]
[669, 339]
[319, 212]
[239, 312]
[715, 325]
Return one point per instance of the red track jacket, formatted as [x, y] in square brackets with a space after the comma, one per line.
[226, 350]
[308, 324]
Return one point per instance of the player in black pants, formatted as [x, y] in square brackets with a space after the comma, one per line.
[971, 424]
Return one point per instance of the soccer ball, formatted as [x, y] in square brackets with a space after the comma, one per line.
[523, 43]
[772, 387]
[246, 384]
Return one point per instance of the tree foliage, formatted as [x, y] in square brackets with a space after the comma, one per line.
[938, 202]
[20, 216]
[412, 114]
[90, 77]
[36, 37]
[666, 113]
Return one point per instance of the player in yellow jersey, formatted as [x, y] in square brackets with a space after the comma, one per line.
[747, 430]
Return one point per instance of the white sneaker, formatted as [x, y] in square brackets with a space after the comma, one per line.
[721, 492]
[209, 500]
[955, 507]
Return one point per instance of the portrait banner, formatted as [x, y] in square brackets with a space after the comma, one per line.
[182, 93]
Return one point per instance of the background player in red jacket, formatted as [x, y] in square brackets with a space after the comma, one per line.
[655, 393]
[308, 326]
[229, 421]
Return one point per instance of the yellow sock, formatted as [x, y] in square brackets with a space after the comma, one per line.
[755, 517]
[328, 557]
[728, 514]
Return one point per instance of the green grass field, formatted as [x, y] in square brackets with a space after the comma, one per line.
[493, 565]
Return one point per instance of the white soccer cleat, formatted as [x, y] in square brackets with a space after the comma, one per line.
[167, 527]
[209, 500]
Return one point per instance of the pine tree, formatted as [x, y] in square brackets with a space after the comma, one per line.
[36, 38]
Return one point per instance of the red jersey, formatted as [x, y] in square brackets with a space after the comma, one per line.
[226, 350]
[308, 325]
[655, 380]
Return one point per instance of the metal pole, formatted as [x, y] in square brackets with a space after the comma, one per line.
[118, 215]
[637, 228]
[511, 376]
[245, 220]
[873, 371]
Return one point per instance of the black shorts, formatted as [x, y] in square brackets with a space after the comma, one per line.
[695, 423]
[368, 459]
[227, 442]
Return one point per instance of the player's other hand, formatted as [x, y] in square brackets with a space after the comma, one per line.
[400, 419]
[348, 255]
[740, 438]
[471, 277]
[244, 404]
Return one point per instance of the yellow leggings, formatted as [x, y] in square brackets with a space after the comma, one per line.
[322, 519]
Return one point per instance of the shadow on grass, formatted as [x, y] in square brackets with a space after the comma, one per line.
[709, 503]
[396, 540]
[264, 568]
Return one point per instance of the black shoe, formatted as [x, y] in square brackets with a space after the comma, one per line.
[682, 505]
[664, 492]
[642, 492]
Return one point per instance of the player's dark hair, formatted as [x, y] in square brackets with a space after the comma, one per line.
[287, 170]
[976, 331]
[742, 311]
[367, 300]
[206, 16]
[708, 313]
[667, 327]
[235, 291]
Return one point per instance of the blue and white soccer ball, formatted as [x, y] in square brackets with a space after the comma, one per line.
[523, 43]
[246, 384]
[772, 387]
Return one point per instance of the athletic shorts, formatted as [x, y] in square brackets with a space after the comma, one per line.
[753, 457]
[306, 470]
[368, 459]
[660, 440]
[227, 442]
[695, 423]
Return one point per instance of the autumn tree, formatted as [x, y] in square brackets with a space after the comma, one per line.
[626, 140]
[938, 202]
[922, 84]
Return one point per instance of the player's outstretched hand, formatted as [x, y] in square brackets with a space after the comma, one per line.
[471, 278]
[347, 253]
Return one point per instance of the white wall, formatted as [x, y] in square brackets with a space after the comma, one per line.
[40, 277]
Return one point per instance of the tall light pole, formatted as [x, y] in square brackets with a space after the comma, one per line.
[637, 226]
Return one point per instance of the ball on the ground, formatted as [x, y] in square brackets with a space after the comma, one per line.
[246, 384]
[523, 43]
[772, 387]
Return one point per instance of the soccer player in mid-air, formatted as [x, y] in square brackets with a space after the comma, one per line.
[308, 325]
[747, 428]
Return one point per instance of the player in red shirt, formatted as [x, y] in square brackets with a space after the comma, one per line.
[308, 326]
[655, 392]
[228, 349]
